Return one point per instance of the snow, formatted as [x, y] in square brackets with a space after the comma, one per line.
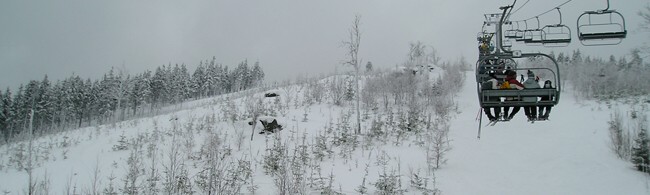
[569, 154]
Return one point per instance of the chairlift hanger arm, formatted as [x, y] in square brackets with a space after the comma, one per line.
[500, 27]
[559, 12]
[607, 8]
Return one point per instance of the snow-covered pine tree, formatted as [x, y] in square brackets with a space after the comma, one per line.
[185, 83]
[58, 104]
[8, 114]
[44, 102]
[158, 88]
[3, 119]
[641, 151]
[197, 81]
[224, 80]
[257, 75]
[138, 93]
[240, 76]
[211, 78]
[94, 100]
[20, 114]
[175, 84]
[105, 103]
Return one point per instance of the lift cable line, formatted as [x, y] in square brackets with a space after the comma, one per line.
[513, 12]
[548, 11]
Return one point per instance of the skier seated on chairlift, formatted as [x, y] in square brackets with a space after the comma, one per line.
[531, 83]
[511, 83]
[545, 110]
[492, 83]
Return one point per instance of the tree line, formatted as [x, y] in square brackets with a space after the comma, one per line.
[74, 101]
[602, 78]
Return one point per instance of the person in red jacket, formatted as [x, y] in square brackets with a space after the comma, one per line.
[511, 78]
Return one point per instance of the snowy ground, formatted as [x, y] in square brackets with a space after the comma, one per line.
[569, 154]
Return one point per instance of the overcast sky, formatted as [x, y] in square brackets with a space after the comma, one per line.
[288, 37]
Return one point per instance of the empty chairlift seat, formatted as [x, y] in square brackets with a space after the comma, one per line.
[602, 27]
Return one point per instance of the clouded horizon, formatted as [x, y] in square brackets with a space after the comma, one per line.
[288, 37]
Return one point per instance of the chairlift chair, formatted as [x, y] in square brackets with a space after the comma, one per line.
[495, 97]
[601, 27]
[507, 44]
[513, 33]
[522, 34]
[534, 37]
[557, 35]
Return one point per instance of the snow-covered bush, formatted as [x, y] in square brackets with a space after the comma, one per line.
[122, 144]
[389, 182]
[619, 137]
[420, 182]
[641, 146]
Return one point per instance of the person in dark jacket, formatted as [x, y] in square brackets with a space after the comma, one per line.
[545, 110]
[530, 83]
[511, 78]
[492, 83]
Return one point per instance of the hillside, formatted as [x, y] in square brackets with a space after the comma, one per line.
[208, 148]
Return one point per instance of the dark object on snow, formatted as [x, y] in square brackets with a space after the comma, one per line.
[270, 127]
[271, 94]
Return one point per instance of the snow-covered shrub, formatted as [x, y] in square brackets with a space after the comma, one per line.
[337, 89]
[439, 145]
[320, 148]
[18, 158]
[133, 172]
[377, 130]
[420, 182]
[110, 189]
[363, 189]
[369, 93]
[274, 156]
[344, 137]
[641, 151]
[620, 138]
[641, 147]
[389, 182]
[229, 110]
[329, 188]
[122, 144]
[350, 89]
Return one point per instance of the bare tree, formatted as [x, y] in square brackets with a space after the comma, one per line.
[255, 107]
[353, 59]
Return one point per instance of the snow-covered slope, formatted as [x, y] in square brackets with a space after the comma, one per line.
[569, 154]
